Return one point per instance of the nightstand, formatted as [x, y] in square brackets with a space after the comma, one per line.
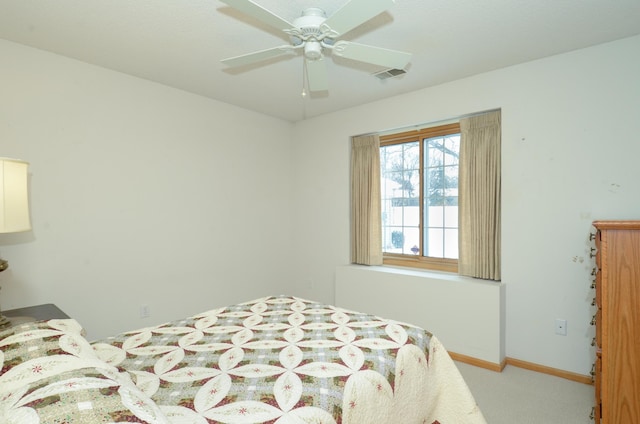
[34, 313]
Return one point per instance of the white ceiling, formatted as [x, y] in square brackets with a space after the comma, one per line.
[180, 43]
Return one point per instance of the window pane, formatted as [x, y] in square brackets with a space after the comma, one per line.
[433, 240]
[451, 243]
[387, 215]
[411, 240]
[392, 239]
[414, 184]
[451, 216]
[435, 186]
[452, 149]
[434, 216]
[400, 168]
[441, 196]
[435, 178]
[389, 156]
[412, 156]
[451, 179]
[411, 216]
[434, 156]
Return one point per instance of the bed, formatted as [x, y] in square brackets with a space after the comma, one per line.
[273, 360]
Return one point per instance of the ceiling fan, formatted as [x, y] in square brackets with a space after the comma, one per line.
[314, 34]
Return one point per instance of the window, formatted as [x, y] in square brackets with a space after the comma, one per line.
[427, 175]
[419, 197]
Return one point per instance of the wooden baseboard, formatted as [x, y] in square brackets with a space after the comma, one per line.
[580, 378]
[478, 362]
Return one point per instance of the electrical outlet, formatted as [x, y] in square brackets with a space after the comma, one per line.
[144, 311]
[561, 327]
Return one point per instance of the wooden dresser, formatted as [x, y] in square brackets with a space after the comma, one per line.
[617, 320]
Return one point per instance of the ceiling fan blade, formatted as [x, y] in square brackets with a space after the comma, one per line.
[317, 75]
[386, 58]
[248, 59]
[250, 8]
[355, 13]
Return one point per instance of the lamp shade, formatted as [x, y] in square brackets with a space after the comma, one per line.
[14, 199]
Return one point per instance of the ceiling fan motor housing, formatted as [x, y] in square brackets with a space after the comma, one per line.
[308, 26]
[310, 20]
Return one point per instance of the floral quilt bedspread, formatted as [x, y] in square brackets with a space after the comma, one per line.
[281, 360]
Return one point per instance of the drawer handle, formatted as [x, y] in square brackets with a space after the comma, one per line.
[593, 302]
[593, 413]
[594, 271]
[593, 343]
[592, 236]
[593, 320]
[593, 284]
[592, 254]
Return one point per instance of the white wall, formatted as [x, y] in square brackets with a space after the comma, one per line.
[140, 194]
[570, 150]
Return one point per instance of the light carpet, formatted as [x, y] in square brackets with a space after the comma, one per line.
[519, 396]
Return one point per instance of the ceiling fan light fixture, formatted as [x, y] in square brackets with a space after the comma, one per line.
[313, 50]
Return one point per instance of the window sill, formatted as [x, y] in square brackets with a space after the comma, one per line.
[431, 264]
[415, 272]
[428, 274]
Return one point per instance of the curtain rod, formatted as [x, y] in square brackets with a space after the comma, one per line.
[419, 127]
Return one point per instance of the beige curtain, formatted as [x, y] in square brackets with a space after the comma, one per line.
[479, 197]
[366, 223]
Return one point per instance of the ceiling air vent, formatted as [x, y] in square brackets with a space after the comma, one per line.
[389, 73]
